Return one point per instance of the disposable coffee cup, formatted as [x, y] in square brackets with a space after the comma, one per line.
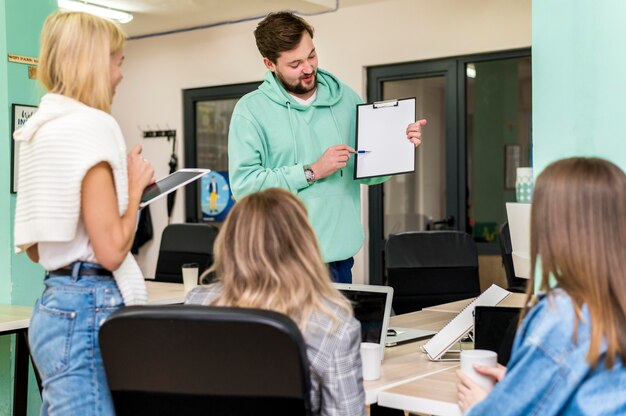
[524, 185]
[485, 358]
[370, 357]
[190, 275]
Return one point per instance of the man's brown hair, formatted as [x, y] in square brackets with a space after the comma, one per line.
[280, 32]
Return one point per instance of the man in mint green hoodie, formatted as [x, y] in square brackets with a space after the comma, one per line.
[297, 132]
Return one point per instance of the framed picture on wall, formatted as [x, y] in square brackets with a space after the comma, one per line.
[20, 113]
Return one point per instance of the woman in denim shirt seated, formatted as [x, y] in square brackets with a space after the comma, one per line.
[569, 351]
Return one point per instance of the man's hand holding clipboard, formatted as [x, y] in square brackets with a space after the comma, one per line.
[382, 147]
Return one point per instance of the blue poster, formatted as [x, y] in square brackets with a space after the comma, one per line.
[216, 199]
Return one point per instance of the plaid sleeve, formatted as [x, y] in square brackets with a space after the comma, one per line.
[341, 387]
[202, 295]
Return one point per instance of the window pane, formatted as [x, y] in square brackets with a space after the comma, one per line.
[499, 115]
[212, 121]
[413, 200]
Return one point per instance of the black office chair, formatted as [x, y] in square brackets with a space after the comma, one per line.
[199, 360]
[184, 243]
[515, 284]
[428, 268]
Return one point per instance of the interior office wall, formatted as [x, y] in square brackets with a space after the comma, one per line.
[5, 172]
[5, 217]
[579, 83]
[21, 281]
[157, 69]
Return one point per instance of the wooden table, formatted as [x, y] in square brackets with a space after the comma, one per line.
[163, 293]
[407, 362]
[15, 320]
[433, 394]
[434, 390]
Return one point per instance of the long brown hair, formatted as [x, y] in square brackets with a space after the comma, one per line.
[280, 32]
[75, 57]
[578, 234]
[267, 257]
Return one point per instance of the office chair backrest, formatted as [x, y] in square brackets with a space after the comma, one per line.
[184, 243]
[190, 359]
[427, 268]
[515, 284]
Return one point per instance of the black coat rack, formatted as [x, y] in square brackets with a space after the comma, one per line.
[173, 162]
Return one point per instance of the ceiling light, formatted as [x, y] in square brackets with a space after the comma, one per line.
[107, 13]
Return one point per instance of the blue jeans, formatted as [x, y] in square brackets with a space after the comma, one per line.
[63, 337]
[341, 271]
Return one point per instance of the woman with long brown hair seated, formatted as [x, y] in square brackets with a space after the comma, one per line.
[569, 352]
[267, 257]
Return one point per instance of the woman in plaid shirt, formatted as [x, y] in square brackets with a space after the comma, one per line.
[267, 257]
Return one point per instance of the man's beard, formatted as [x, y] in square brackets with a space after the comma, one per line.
[299, 88]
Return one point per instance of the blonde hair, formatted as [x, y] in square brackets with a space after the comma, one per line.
[578, 231]
[267, 257]
[75, 57]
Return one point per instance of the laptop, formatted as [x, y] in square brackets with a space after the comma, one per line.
[372, 308]
[397, 335]
[494, 330]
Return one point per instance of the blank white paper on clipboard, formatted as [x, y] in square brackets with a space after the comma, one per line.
[381, 137]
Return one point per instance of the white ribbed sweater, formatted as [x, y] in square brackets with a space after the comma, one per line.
[59, 144]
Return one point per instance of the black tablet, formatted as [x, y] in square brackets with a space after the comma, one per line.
[495, 328]
[170, 183]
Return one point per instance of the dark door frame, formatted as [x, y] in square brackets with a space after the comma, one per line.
[190, 98]
[453, 69]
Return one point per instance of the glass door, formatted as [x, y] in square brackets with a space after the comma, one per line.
[427, 198]
[479, 112]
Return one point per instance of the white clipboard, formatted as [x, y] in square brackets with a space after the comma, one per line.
[381, 143]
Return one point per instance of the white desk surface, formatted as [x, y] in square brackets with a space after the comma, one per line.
[432, 389]
[406, 362]
[434, 394]
[14, 317]
[162, 293]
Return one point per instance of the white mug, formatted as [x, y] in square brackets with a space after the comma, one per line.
[485, 358]
[370, 357]
[190, 276]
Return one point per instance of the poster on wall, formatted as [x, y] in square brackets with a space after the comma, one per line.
[216, 199]
[21, 113]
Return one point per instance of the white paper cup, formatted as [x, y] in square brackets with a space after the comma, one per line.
[190, 275]
[470, 358]
[370, 357]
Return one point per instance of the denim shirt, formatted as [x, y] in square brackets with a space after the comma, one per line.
[548, 373]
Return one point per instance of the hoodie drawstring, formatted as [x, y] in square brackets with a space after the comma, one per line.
[293, 135]
[332, 113]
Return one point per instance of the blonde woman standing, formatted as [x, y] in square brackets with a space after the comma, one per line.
[77, 208]
[569, 352]
[267, 257]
